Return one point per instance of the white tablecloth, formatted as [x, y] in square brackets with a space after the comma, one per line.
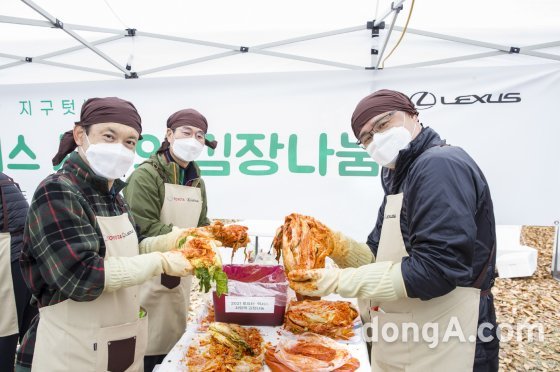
[176, 361]
[265, 229]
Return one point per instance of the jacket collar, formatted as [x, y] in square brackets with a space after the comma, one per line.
[427, 138]
[169, 168]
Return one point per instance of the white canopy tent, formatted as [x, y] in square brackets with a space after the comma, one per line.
[64, 40]
[450, 50]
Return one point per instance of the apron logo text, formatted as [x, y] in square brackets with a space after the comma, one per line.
[178, 199]
[117, 236]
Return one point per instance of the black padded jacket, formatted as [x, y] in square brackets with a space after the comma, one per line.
[13, 211]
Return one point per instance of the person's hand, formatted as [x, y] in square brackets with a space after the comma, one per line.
[349, 253]
[174, 263]
[314, 282]
[161, 243]
[343, 250]
[382, 281]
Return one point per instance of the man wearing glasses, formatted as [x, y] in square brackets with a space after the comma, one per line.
[429, 261]
[167, 194]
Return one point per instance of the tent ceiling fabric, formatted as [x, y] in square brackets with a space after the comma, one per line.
[183, 38]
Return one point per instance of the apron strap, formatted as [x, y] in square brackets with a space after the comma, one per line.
[121, 204]
[3, 183]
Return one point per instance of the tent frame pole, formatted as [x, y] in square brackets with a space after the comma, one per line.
[308, 59]
[42, 57]
[262, 49]
[307, 37]
[80, 68]
[397, 9]
[186, 63]
[58, 24]
[555, 266]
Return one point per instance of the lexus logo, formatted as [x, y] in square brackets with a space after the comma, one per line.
[423, 100]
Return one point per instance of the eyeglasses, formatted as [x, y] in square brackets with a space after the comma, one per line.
[189, 133]
[377, 127]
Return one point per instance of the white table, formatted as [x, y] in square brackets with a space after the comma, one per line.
[176, 361]
[265, 230]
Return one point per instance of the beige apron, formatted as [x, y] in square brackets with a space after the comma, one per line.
[460, 304]
[165, 297]
[101, 335]
[8, 317]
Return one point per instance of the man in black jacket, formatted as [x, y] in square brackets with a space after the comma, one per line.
[16, 312]
[430, 259]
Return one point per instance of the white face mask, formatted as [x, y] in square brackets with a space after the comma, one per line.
[385, 146]
[187, 149]
[109, 160]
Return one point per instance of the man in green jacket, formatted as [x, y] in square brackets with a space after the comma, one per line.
[166, 194]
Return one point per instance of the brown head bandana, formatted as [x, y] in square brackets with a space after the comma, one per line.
[100, 110]
[377, 103]
[189, 117]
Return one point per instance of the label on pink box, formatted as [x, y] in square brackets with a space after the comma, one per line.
[237, 304]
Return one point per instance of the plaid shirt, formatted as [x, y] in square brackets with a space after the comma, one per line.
[63, 248]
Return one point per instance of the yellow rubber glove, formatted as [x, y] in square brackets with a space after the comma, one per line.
[381, 281]
[314, 282]
[175, 264]
[349, 253]
[123, 272]
[161, 243]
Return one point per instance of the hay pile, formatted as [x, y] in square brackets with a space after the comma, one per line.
[531, 300]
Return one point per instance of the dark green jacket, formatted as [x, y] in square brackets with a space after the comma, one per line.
[145, 193]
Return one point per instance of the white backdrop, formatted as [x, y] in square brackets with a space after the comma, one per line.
[300, 121]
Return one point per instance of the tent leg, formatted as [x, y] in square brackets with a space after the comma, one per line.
[555, 267]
